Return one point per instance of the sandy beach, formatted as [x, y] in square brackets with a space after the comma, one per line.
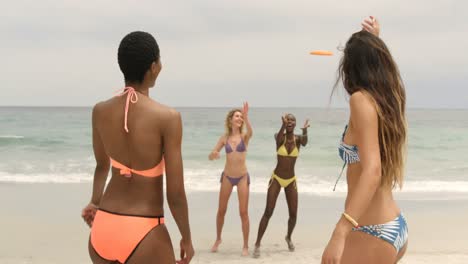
[42, 224]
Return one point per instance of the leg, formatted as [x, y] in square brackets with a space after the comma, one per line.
[224, 194]
[402, 252]
[243, 195]
[95, 258]
[364, 248]
[272, 196]
[156, 245]
[292, 200]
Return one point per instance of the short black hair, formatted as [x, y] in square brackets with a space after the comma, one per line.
[137, 51]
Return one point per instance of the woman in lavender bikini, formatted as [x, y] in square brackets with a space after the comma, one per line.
[235, 143]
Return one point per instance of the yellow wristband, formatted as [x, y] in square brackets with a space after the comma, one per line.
[351, 220]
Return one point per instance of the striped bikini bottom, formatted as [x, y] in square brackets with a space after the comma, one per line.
[394, 232]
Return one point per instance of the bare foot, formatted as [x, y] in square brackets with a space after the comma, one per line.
[256, 253]
[245, 252]
[290, 244]
[216, 245]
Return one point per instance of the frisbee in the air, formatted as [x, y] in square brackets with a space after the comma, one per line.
[321, 52]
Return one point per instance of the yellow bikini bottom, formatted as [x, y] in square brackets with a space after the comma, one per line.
[283, 182]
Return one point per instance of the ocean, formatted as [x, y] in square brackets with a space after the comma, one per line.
[53, 145]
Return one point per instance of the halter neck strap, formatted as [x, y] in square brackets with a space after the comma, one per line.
[132, 96]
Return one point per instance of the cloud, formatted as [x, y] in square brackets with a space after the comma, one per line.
[64, 52]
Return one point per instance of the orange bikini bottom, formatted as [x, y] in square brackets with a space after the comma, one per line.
[115, 236]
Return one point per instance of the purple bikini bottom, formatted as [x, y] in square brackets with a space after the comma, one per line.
[235, 180]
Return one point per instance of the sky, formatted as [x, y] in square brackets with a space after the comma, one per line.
[219, 53]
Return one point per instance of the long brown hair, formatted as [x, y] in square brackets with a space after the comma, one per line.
[227, 123]
[368, 66]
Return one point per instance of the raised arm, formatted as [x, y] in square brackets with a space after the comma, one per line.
[100, 172]
[214, 154]
[249, 133]
[365, 128]
[280, 135]
[172, 140]
[303, 138]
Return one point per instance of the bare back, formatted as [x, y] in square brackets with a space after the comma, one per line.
[140, 149]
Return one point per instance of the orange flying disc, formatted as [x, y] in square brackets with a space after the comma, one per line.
[321, 52]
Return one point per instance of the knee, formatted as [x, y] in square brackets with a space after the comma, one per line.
[222, 212]
[268, 213]
[292, 217]
[244, 215]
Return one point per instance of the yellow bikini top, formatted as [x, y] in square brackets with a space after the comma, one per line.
[282, 151]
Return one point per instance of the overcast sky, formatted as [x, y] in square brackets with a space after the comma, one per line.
[221, 52]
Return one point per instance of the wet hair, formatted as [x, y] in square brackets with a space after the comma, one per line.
[137, 51]
[227, 123]
[367, 66]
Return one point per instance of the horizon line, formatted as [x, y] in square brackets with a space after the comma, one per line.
[264, 107]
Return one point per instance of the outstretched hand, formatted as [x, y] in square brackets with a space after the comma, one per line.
[88, 213]
[371, 24]
[284, 119]
[214, 155]
[245, 110]
[306, 124]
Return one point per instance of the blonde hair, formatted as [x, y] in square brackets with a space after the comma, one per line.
[368, 66]
[227, 123]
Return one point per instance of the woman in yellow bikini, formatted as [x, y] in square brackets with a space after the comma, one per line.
[287, 146]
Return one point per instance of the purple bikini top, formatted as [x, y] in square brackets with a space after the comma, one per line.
[239, 148]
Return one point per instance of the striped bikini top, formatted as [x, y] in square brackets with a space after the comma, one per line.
[348, 153]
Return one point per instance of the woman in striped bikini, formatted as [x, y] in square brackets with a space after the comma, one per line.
[235, 173]
[371, 228]
[287, 149]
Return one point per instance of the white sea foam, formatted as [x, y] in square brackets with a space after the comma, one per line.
[45, 178]
[208, 180]
[11, 137]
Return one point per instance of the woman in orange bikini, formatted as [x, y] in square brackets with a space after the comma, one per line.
[235, 143]
[140, 139]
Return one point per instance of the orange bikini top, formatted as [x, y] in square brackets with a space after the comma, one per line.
[157, 170]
